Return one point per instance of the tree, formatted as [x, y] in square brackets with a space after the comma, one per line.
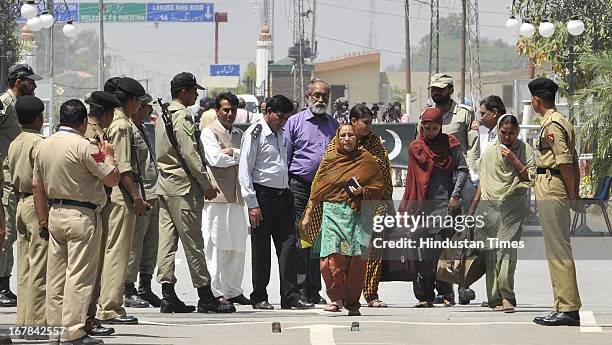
[495, 55]
[595, 15]
[9, 41]
[597, 97]
[248, 80]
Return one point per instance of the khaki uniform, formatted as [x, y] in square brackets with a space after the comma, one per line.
[70, 168]
[94, 133]
[143, 254]
[181, 200]
[32, 249]
[120, 224]
[460, 121]
[9, 130]
[556, 144]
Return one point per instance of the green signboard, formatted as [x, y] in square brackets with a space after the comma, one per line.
[114, 12]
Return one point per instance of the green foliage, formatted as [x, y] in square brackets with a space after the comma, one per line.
[596, 17]
[10, 49]
[495, 55]
[597, 98]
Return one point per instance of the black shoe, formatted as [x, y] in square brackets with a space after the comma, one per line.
[540, 318]
[135, 301]
[263, 305]
[316, 299]
[122, 320]
[84, 340]
[439, 299]
[171, 303]
[466, 295]
[209, 303]
[6, 301]
[145, 292]
[298, 304]
[571, 318]
[240, 299]
[94, 328]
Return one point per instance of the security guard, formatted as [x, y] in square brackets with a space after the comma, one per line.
[183, 185]
[556, 188]
[32, 248]
[21, 81]
[146, 232]
[69, 174]
[126, 203]
[102, 105]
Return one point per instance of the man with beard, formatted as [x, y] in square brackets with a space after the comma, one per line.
[459, 120]
[21, 81]
[307, 135]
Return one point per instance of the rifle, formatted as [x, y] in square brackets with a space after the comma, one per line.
[172, 139]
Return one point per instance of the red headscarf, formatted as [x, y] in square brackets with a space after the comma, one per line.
[423, 156]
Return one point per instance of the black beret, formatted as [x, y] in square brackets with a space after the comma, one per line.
[543, 87]
[185, 80]
[29, 105]
[130, 86]
[104, 100]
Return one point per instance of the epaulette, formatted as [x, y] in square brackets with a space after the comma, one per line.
[256, 131]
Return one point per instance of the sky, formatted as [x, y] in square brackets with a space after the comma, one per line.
[157, 52]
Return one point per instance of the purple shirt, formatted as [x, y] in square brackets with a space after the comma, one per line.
[306, 140]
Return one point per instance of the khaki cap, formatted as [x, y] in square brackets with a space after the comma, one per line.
[441, 80]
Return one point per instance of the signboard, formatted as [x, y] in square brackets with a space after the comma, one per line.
[225, 70]
[180, 12]
[114, 12]
[196, 12]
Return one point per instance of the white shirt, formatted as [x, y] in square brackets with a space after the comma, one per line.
[263, 160]
[212, 151]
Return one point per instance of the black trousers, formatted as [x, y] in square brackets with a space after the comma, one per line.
[278, 222]
[426, 282]
[308, 272]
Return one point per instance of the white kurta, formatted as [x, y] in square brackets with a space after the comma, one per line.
[224, 226]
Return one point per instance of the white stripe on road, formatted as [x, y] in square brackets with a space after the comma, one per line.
[321, 334]
[452, 324]
[588, 324]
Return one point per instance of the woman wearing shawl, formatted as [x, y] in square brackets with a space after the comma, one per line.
[361, 118]
[343, 235]
[504, 168]
[437, 172]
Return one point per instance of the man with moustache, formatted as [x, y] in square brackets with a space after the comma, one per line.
[22, 81]
[307, 135]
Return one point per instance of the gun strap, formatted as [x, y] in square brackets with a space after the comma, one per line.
[172, 139]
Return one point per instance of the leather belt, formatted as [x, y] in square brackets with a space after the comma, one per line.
[69, 202]
[543, 171]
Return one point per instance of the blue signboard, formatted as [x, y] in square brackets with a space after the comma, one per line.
[180, 12]
[63, 14]
[225, 70]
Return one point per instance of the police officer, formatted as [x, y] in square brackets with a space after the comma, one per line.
[69, 174]
[126, 203]
[556, 188]
[32, 248]
[101, 111]
[21, 81]
[264, 179]
[146, 232]
[183, 185]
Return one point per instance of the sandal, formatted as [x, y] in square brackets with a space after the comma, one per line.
[449, 303]
[333, 308]
[377, 304]
[424, 304]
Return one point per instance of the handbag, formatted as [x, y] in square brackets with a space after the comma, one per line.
[398, 263]
[458, 266]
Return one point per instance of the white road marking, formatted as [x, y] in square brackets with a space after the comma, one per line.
[588, 324]
[452, 324]
[321, 334]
